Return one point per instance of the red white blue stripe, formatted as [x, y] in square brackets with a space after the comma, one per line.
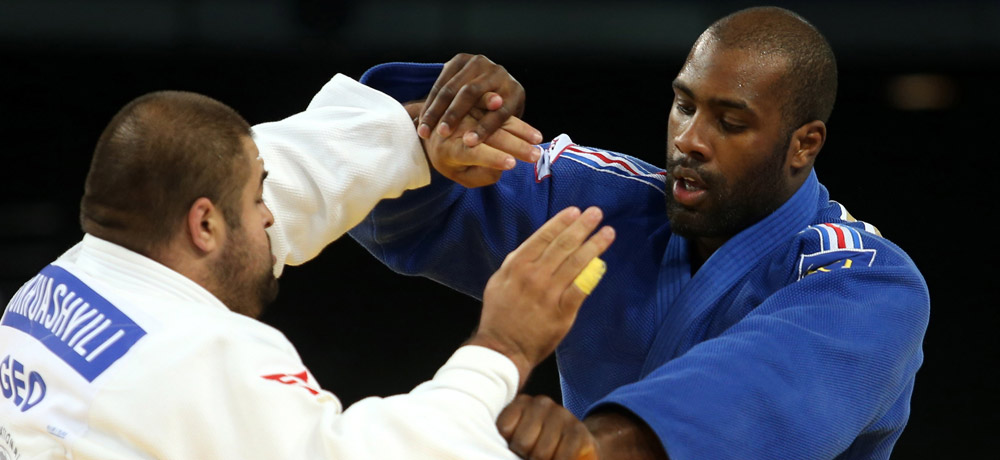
[598, 160]
[837, 236]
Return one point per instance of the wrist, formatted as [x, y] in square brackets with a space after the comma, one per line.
[620, 433]
[513, 353]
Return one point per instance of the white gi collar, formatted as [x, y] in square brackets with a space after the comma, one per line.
[127, 269]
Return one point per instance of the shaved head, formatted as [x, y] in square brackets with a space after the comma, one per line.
[159, 154]
[809, 86]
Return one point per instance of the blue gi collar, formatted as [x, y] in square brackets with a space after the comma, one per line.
[684, 297]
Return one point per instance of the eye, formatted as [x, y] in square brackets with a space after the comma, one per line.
[685, 108]
[730, 127]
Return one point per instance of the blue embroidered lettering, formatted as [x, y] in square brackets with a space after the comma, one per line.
[36, 387]
[86, 329]
[79, 348]
[79, 316]
[24, 393]
[59, 292]
[64, 313]
[104, 346]
[5, 384]
[17, 368]
[81, 327]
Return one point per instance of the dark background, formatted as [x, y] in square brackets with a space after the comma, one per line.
[910, 149]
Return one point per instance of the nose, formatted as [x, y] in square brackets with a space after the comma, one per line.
[268, 217]
[690, 137]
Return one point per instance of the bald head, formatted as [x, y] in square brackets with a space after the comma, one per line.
[809, 85]
[159, 154]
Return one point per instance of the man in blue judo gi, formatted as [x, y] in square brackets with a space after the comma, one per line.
[744, 314]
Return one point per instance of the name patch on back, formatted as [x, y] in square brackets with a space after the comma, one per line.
[72, 321]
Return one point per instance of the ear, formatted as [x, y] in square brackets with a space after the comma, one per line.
[205, 225]
[805, 144]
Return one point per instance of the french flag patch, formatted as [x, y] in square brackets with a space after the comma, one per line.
[840, 247]
[599, 160]
[836, 236]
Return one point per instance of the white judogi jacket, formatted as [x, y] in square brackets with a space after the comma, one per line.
[107, 354]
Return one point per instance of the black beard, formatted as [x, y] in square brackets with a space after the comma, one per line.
[243, 292]
[734, 206]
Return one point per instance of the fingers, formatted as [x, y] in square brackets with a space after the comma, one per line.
[560, 246]
[500, 153]
[508, 420]
[430, 118]
[528, 436]
[537, 428]
[536, 244]
[575, 263]
[469, 166]
[484, 155]
[575, 293]
[522, 130]
[591, 275]
[500, 118]
[492, 101]
[456, 91]
[509, 143]
[570, 240]
[465, 81]
[488, 124]
[476, 82]
[571, 255]
[461, 101]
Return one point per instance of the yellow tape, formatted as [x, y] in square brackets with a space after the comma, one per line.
[591, 275]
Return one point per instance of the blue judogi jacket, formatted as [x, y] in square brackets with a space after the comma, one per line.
[799, 338]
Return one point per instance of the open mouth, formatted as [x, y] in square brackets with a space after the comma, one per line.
[688, 188]
[689, 183]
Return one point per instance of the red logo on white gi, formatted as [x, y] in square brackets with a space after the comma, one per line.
[300, 380]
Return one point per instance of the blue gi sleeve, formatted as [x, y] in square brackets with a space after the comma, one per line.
[453, 235]
[442, 231]
[403, 81]
[821, 369]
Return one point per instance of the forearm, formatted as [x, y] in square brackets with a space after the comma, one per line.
[328, 166]
[460, 403]
[453, 235]
[621, 435]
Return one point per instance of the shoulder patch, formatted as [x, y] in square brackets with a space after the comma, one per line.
[599, 160]
[831, 247]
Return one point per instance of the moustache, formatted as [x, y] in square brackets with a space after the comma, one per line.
[684, 164]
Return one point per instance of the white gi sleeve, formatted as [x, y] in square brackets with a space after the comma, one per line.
[229, 397]
[329, 165]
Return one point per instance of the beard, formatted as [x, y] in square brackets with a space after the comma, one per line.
[245, 280]
[734, 203]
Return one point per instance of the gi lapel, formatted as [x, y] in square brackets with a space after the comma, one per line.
[685, 298]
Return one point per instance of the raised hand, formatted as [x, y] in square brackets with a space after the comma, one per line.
[465, 81]
[530, 303]
[483, 163]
